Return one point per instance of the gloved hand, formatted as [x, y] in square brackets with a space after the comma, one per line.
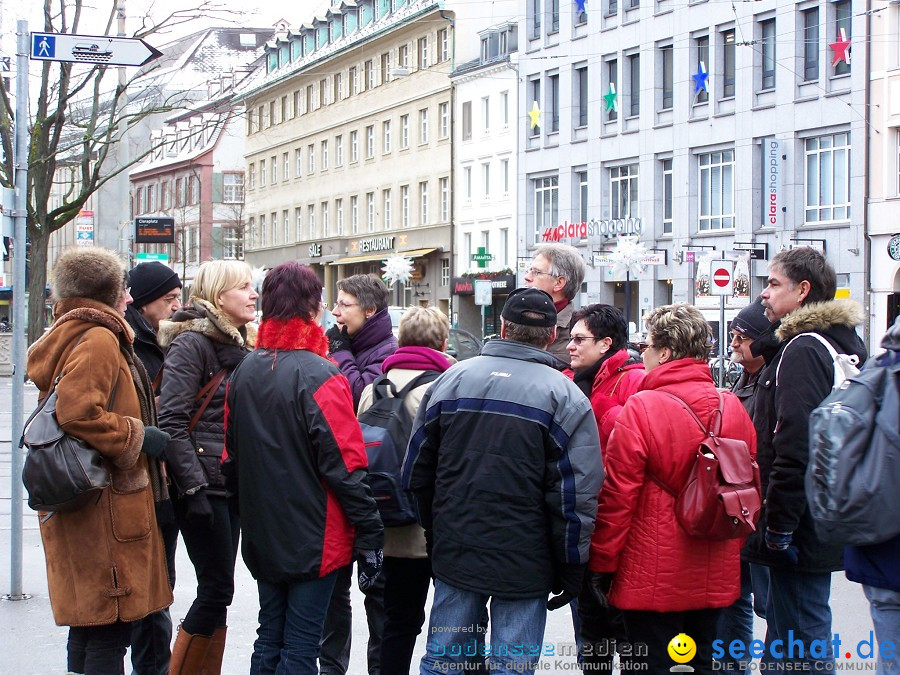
[600, 584]
[779, 543]
[567, 580]
[338, 339]
[370, 562]
[155, 441]
[198, 510]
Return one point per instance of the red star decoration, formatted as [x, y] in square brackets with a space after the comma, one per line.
[841, 49]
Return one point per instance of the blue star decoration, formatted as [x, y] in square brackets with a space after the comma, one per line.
[700, 78]
[579, 6]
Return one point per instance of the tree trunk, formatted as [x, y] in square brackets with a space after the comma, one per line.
[37, 282]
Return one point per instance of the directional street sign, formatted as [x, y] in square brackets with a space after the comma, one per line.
[96, 49]
[721, 274]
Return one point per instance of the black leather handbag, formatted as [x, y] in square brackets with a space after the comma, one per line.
[61, 473]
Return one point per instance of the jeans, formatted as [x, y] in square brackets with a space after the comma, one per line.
[152, 635]
[797, 612]
[290, 626]
[656, 630]
[884, 605]
[517, 632]
[406, 582]
[212, 551]
[98, 650]
[334, 655]
[736, 622]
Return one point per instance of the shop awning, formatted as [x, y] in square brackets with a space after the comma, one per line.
[383, 255]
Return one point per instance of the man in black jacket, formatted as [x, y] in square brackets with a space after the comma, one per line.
[798, 375]
[156, 289]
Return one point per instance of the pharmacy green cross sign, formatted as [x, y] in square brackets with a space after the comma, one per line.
[482, 257]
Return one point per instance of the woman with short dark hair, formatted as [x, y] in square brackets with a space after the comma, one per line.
[305, 476]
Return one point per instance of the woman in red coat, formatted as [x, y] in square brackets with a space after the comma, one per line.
[665, 581]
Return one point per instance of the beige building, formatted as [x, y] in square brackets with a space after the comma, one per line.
[883, 171]
[348, 146]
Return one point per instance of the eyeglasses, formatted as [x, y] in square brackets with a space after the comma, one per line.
[534, 271]
[579, 339]
[740, 339]
[345, 305]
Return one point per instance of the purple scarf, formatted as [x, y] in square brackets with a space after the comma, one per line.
[416, 358]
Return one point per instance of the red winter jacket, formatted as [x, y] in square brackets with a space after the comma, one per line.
[658, 566]
[614, 383]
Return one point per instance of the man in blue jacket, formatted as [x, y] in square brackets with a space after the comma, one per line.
[504, 463]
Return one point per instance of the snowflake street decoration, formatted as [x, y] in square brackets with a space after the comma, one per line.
[397, 268]
[628, 257]
[257, 276]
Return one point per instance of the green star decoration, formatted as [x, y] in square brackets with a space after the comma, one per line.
[610, 98]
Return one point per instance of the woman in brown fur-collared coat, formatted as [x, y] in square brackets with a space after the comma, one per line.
[105, 562]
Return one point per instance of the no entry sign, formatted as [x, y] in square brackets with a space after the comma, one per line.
[721, 277]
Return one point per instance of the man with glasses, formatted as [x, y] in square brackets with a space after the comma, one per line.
[156, 290]
[558, 269]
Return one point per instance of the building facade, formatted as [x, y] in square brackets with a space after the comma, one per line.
[714, 131]
[348, 147]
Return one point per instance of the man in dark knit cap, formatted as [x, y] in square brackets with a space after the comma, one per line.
[156, 290]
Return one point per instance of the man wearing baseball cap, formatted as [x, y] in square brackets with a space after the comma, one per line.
[504, 465]
[156, 290]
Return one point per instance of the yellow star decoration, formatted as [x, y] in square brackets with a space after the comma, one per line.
[535, 115]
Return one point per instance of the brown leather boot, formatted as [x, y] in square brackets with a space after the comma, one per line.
[189, 654]
[213, 665]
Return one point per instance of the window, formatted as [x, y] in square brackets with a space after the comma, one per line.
[286, 224]
[262, 173]
[546, 204]
[535, 98]
[193, 190]
[445, 272]
[403, 56]
[370, 211]
[443, 45]
[232, 243]
[326, 212]
[251, 172]
[338, 86]
[386, 136]
[444, 115]
[811, 44]
[581, 180]
[623, 191]
[716, 190]
[404, 132]
[370, 141]
[504, 108]
[486, 178]
[504, 173]
[311, 158]
[385, 68]
[467, 182]
[263, 232]
[467, 121]
[842, 22]
[324, 155]
[634, 85]
[369, 70]
[298, 162]
[339, 150]
[140, 202]
[423, 52]
[272, 119]
[467, 247]
[273, 169]
[386, 210]
[165, 194]
[354, 215]
[553, 84]
[404, 206]
[486, 114]
[353, 80]
[554, 16]
[309, 98]
[273, 226]
[828, 178]
[445, 199]
[536, 10]
[297, 103]
[354, 146]
[423, 203]
[284, 108]
[581, 93]
[179, 192]
[339, 215]
[232, 189]
[612, 78]
[504, 245]
[298, 222]
[728, 63]
[767, 55]
[667, 196]
[423, 126]
[666, 57]
[702, 47]
[311, 220]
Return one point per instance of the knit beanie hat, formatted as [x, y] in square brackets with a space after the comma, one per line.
[751, 322]
[150, 281]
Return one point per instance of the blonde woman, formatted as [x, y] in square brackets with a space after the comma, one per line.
[206, 340]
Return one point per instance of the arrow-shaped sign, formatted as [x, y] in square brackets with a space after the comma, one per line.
[95, 49]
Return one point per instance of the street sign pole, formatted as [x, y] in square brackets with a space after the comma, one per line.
[721, 283]
[18, 343]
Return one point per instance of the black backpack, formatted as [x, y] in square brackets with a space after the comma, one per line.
[386, 427]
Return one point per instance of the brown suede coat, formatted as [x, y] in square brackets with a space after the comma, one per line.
[105, 562]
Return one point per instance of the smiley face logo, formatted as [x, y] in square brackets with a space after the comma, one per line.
[682, 648]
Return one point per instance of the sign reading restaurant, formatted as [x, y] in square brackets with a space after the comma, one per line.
[612, 227]
[374, 244]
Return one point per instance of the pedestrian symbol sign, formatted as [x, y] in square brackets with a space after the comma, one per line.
[43, 46]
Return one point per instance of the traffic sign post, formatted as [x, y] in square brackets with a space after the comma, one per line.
[93, 49]
[721, 283]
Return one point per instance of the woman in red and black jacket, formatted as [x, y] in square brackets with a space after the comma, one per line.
[297, 463]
